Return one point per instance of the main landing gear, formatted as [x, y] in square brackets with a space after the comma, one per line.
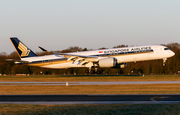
[93, 70]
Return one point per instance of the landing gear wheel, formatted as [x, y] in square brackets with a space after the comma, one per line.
[164, 64]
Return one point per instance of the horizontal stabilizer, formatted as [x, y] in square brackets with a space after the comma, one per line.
[17, 61]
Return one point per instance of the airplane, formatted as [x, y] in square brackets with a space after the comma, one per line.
[110, 58]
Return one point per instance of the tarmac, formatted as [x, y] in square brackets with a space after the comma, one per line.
[90, 99]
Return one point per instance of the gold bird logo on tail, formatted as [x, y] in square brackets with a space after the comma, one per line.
[23, 48]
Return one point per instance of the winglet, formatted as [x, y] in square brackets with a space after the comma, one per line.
[44, 50]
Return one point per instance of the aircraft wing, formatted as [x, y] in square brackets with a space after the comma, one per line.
[79, 57]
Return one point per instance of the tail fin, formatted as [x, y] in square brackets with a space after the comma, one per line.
[22, 50]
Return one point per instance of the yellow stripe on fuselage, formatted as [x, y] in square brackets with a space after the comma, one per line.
[48, 63]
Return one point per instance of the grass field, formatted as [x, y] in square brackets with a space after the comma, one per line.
[92, 89]
[114, 109]
[90, 78]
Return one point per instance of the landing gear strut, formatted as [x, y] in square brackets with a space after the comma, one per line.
[164, 61]
[90, 70]
[93, 70]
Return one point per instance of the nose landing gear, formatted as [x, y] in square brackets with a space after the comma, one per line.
[164, 61]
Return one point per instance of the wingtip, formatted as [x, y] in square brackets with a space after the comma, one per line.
[42, 49]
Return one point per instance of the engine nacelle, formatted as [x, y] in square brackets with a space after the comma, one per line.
[111, 62]
[108, 62]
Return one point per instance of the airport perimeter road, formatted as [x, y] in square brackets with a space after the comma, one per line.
[89, 99]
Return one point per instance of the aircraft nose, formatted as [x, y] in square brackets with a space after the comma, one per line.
[172, 53]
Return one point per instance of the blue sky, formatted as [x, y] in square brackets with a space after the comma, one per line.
[59, 24]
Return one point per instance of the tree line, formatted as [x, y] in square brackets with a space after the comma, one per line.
[143, 67]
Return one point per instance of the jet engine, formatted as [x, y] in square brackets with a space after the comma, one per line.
[111, 62]
[108, 62]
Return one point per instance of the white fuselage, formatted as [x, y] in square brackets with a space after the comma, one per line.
[123, 55]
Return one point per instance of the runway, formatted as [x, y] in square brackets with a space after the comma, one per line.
[90, 99]
[87, 83]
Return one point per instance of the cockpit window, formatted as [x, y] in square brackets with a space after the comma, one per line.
[166, 49]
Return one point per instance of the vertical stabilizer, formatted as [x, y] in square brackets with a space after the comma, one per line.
[22, 50]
